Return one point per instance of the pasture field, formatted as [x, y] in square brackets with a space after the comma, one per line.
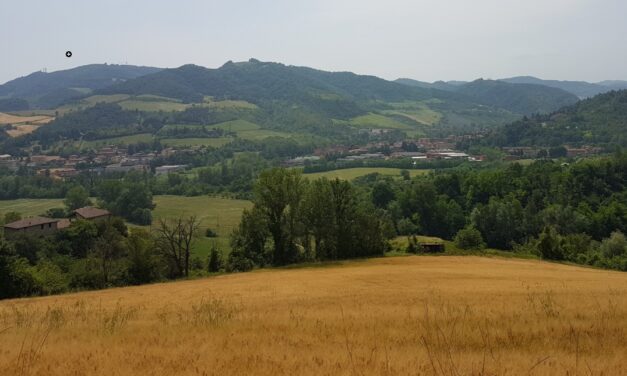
[28, 207]
[228, 104]
[122, 140]
[377, 121]
[418, 315]
[213, 142]
[416, 111]
[220, 214]
[152, 105]
[353, 173]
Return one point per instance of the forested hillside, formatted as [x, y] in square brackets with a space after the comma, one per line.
[48, 90]
[257, 81]
[515, 97]
[598, 120]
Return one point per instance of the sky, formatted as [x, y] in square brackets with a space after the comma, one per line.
[427, 40]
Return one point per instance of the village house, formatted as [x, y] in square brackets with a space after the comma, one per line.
[90, 213]
[39, 226]
[162, 170]
[7, 161]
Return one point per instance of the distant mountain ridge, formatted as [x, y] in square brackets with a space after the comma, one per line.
[48, 90]
[256, 81]
[518, 98]
[581, 89]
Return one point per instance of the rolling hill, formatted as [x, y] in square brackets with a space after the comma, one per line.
[49, 90]
[600, 120]
[274, 96]
[257, 81]
[518, 98]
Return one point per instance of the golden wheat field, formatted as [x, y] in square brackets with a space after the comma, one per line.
[389, 316]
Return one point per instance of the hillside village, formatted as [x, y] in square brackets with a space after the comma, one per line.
[117, 159]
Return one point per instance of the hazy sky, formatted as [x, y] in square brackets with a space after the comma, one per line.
[422, 39]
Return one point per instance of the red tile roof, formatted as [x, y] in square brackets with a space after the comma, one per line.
[89, 212]
[30, 222]
[63, 223]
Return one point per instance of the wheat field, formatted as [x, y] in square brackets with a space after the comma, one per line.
[414, 315]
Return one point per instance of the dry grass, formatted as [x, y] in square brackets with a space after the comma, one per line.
[22, 129]
[24, 124]
[12, 119]
[390, 316]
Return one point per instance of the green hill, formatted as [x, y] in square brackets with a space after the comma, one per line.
[49, 90]
[601, 120]
[520, 98]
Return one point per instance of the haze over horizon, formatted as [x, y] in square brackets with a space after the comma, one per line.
[423, 40]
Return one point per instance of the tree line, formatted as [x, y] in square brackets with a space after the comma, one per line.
[295, 220]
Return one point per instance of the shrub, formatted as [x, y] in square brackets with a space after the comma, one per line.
[238, 262]
[55, 213]
[469, 238]
[549, 244]
[210, 233]
[615, 245]
[50, 278]
[406, 227]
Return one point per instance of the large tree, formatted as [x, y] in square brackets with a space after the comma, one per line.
[278, 194]
[76, 197]
[175, 238]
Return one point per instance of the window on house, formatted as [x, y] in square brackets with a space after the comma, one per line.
[42, 227]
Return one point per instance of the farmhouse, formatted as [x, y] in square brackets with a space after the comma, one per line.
[90, 213]
[162, 170]
[32, 226]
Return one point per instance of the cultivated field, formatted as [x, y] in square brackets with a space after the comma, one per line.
[390, 316]
[352, 173]
[23, 124]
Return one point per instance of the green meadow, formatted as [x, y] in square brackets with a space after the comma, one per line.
[220, 214]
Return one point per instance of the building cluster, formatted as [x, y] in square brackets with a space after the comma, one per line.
[41, 226]
[528, 152]
[424, 149]
[108, 159]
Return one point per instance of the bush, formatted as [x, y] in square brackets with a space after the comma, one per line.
[469, 238]
[210, 233]
[50, 278]
[141, 217]
[238, 262]
[549, 244]
[413, 246]
[615, 245]
[406, 227]
[55, 213]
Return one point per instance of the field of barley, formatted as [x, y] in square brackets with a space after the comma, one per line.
[418, 315]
